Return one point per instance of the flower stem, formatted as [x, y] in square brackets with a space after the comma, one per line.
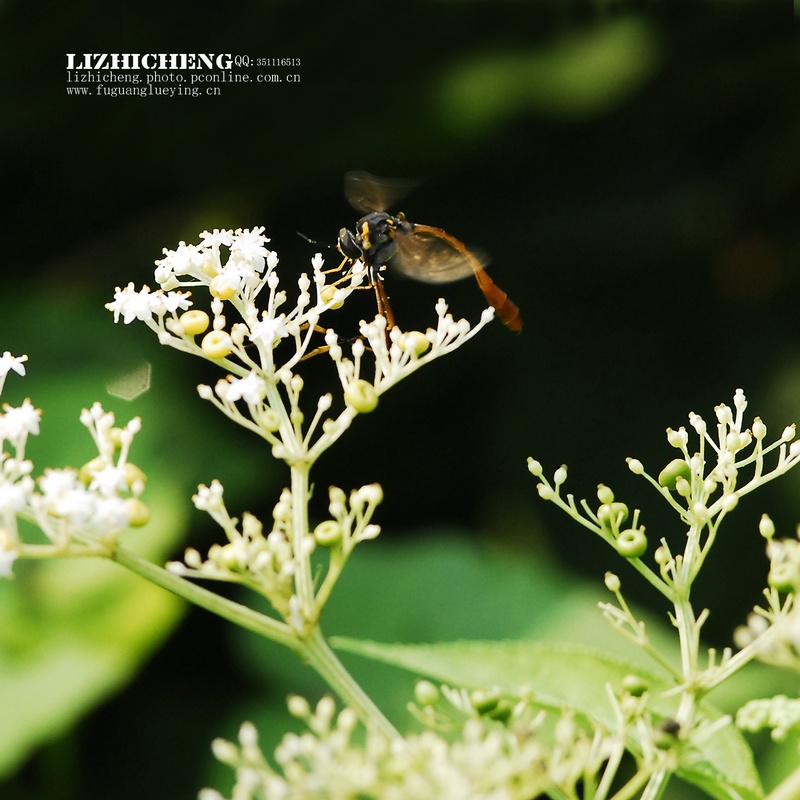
[316, 651]
[304, 584]
[234, 612]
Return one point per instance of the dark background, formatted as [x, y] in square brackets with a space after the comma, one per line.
[633, 170]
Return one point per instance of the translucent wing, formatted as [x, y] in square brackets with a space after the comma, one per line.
[367, 193]
[428, 257]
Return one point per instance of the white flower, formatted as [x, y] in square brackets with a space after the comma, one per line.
[57, 482]
[131, 304]
[110, 515]
[7, 559]
[186, 260]
[9, 362]
[252, 389]
[109, 481]
[269, 331]
[250, 246]
[13, 496]
[17, 423]
[169, 302]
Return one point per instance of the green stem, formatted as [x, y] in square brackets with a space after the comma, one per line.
[318, 654]
[314, 650]
[304, 584]
[656, 785]
[234, 612]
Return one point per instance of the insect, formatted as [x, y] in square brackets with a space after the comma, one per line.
[421, 252]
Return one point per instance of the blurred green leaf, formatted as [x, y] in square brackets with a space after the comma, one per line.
[578, 75]
[73, 633]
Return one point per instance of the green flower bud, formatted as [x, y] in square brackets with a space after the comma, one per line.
[361, 396]
[635, 466]
[677, 468]
[605, 495]
[502, 711]
[328, 533]
[484, 701]
[634, 685]
[612, 514]
[535, 468]
[632, 543]
[426, 693]
[612, 582]
[784, 577]
[138, 512]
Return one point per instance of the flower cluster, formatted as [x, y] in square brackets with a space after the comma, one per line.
[80, 511]
[487, 758]
[263, 348]
[702, 486]
[780, 714]
[269, 563]
[774, 631]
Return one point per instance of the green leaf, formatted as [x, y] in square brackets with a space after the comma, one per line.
[579, 75]
[576, 677]
[73, 633]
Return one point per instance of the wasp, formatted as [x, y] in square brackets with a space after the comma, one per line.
[421, 252]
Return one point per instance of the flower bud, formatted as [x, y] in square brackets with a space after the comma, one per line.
[328, 295]
[545, 491]
[635, 466]
[604, 494]
[724, 415]
[632, 543]
[133, 476]
[766, 527]
[298, 707]
[372, 494]
[612, 514]
[361, 396]
[502, 711]
[217, 344]
[328, 533]
[138, 512]
[221, 288]
[677, 439]
[535, 468]
[612, 581]
[269, 420]
[634, 685]
[194, 322]
[426, 693]
[414, 342]
[784, 577]
[484, 701]
[675, 469]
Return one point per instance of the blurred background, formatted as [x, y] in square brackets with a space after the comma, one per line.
[633, 171]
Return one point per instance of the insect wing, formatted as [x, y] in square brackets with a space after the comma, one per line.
[429, 258]
[368, 193]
